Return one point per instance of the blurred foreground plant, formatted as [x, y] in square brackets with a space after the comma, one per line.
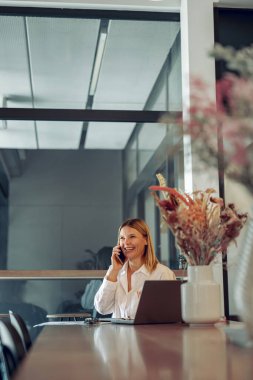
[231, 116]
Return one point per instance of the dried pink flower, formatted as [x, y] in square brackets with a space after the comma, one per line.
[203, 227]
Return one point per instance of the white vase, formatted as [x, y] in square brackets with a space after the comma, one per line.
[200, 296]
[243, 290]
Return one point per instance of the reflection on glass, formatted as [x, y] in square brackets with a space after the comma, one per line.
[103, 261]
[149, 139]
[119, 349]
[164, 236]
[204, 353]
[13, 297]
[150, 213]
[34, 299]
[108, 135]
[131, 163]
[134, 56]
[175, 82]
[61, 68]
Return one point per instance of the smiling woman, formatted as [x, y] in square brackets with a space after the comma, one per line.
[133, 244]
[136, 243]
[120, 291]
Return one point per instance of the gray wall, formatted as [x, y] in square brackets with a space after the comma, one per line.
[63, 203]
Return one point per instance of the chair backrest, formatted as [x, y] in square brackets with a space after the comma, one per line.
[19, 324]
[4, 372]
[12, 346]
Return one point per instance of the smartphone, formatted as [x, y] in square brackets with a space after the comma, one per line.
[121, 257]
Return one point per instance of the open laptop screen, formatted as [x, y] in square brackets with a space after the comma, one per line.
[160, 302]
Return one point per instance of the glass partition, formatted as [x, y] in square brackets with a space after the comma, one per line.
[149, 138]
[77, 63]
[158, 145]
[131, 163]
[66, 184]
[55, 297]
[59, 205]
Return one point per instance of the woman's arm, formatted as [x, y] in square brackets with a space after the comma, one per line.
[104, 300]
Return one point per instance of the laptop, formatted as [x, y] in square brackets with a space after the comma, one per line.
[160, 302]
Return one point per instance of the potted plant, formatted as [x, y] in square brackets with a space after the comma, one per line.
[203, 228]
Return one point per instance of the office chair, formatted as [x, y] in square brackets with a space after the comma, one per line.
[31, 314]
[4, 373]
[12, 348]
[19, 324]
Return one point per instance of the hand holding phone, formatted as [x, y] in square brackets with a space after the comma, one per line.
[121, 257]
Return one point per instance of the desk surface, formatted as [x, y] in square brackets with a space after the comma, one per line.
[119, 352]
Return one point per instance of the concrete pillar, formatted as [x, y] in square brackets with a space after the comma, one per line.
[197, 38]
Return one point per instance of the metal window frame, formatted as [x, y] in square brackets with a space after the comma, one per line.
[53, 114]
[38, 114]
[89, 13]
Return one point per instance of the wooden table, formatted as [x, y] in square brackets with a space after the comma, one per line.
[119, 352]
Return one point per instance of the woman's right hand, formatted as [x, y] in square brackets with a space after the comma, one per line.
[116, 264]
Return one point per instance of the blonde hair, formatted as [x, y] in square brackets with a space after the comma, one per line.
[150, 260]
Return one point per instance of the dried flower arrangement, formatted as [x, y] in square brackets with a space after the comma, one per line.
[202, 225]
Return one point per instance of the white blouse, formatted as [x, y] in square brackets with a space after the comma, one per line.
[113, 297]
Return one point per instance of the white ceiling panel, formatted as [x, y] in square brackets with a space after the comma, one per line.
[59, 134]
[151, 135]
[62, 53]
[14, 78]
[18, 135]
[133, 58]
[108, 135]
